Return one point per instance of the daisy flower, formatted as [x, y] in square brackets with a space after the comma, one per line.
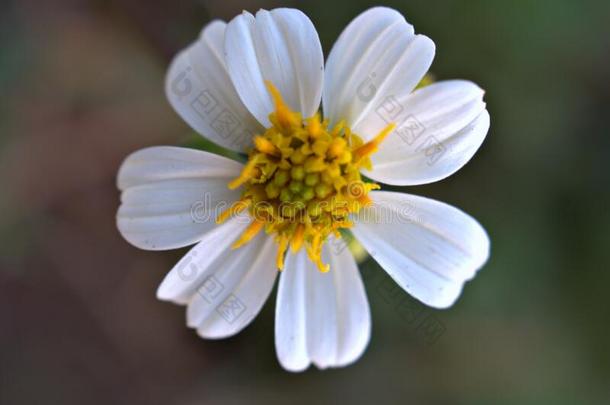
[313, 173]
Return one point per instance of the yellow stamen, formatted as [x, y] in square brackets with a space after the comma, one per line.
[365, 201]
[265, 146]
[233, 210]
[251, 231]
[337, 129]
[336, 147]
[302, 181]
[249, 171]
[315, 253]
[297, 238]
[314, 127]
[283, 113]
[323, 268]
[281, 250]
[372, 146]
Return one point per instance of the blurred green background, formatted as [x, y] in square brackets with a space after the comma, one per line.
[82, 86]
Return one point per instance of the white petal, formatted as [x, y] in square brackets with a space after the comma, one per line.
[182, 282]
[429, 248]
[171, 196]
[291, 314]
[439, 129]
[322, 318]
[376, 54]
[224, 288]
[235, 288]
[281, 46]
[200, 90]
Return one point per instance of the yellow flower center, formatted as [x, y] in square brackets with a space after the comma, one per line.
[302, 181]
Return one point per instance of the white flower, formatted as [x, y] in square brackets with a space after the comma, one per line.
[264, 75]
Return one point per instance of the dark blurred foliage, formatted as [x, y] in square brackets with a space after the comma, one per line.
[81, 86]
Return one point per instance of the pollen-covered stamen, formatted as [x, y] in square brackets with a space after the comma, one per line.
[302, 181]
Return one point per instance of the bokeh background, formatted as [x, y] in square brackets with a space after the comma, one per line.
[82, 86]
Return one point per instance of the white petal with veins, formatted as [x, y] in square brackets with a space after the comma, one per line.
[171, 196]
[428, 247]
[439, 129]
[281, 46]
[198, 86]
[375, 55]
[321, 318]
